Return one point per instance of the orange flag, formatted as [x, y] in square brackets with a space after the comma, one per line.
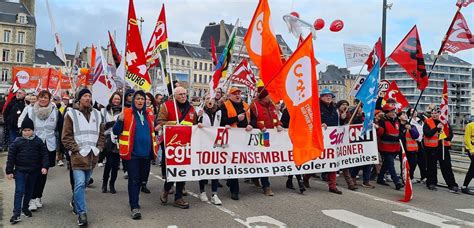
[299, 91]
[263, 49]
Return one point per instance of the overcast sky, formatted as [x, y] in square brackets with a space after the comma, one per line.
[87, 21]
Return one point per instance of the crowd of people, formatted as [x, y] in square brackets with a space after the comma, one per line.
[128, 132]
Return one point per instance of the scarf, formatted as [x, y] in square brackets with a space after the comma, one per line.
[42, 112]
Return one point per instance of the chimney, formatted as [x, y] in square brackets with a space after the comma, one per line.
[222, 34]
[30, 5]
[432, 54]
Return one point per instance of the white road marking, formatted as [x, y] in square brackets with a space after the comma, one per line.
[407, 206]
[355, 219]
[469, 211]
[246, 222]
[172, 226]
[426, 218]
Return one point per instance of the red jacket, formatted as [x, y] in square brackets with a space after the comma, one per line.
[389, 134]
[266, 114]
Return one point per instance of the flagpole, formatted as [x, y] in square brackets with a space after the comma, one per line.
[172, 85]
[360, 71]
[443, 42]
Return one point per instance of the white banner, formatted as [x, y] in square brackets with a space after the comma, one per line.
[219, 153]
[356, 55]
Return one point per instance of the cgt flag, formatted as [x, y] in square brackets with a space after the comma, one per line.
[115, 54]
[393, 92]
[135, 62]
[406, 175]
[12, 92]
[377, 53]
[409, 55]
[459, 37]
[263, 49]
[158, 41]
[300, 93]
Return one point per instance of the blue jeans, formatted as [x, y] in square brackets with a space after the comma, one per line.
[138, 169]
[365, 172]
[214, 185]
[24, 184]
[388, 164]
[81, 178]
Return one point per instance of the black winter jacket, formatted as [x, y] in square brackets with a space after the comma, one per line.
[329, 114]
[12, 112]
[27, 155]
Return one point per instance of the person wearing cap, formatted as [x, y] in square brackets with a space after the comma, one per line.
[47, 120]
[266, 116]
[236, 114]
[469, 142]
[27, 159]
[135, 127]
[437, 149]
[388, 129]
[12, 112]
[186, 116]
[329, 117]
[83, 137]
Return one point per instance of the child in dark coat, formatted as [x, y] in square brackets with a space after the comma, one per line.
[27, 158]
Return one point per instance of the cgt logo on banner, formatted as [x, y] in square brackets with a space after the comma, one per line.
[217, 153]
[177, 144]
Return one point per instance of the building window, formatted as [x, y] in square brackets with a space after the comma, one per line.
[68, 63]
[200, 78]
[4, 77]
[19, 56]
[171, 60]
[200, 66]
[195, 65]
[6, 55]
[22, 19]
[205, 66]
[84, 64]
[6, 36]
[195, 78]
[189, 63]
[182, 62]
[21, 38]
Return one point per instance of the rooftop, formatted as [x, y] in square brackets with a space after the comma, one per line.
[10, 10]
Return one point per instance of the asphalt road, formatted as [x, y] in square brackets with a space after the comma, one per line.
[377, 207]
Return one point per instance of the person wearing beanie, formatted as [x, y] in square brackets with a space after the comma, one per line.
[27, 159]
[266, 115]
[388, 130]
[47, 119]
[129, 98]
[83, 136]
[137, 146]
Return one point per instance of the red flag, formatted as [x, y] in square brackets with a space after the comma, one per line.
[300, 41]
[376, 53]
[213, 51]
[459, 37]
[93, 56]
[444, 111]
[11, 93]
[263, 48]
[409, 55]
[408, 185]
[243, 74]
[158, 40]
[115, 54]
[135, 63]
[299, 89]
[465, 3]
[394, 92]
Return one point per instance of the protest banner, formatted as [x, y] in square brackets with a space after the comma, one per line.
[218, 153]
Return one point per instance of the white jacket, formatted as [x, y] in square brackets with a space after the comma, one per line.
[44, 129]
